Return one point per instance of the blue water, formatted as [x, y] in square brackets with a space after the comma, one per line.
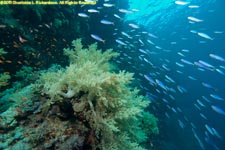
[169, 23]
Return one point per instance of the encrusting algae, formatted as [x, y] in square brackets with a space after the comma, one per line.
[87, 106]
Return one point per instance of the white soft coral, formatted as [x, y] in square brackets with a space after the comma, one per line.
[69, 94]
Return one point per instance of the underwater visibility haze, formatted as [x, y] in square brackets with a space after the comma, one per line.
[119, 74]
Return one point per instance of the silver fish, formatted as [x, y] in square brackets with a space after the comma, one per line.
[125, 34]
[133, 26]
[93, 11]
[125, 11]
[206, 65]
[194, 19]
[217, 57]
[83, 15]
[203, 116]
[117, 16]
[120, 42]
[209, 129]
[170, 79]
[181, 89]
[142, 51]
[96, 37]
[186, 62]
[181, 2]
[107, 22]
[204, 35]
[151, 81]
[218, 110]
[220, 71]
[160, 84]
[108, 5]
[216, 97]
[193, 6]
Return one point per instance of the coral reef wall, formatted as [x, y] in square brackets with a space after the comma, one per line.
[85, 105]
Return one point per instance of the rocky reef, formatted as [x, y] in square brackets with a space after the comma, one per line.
[86, 105]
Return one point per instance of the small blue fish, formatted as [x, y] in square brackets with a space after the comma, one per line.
[108, 5]
[96, 37]
[117, 16]
[203, 116]
[218, 110]
[83, 15]
[166, 101]
[220, 71]
[93, 11]
[206, 65]
[200, 103]
[166, 114]
[207, 85]
[193, 6]
[216, 97]
[165, 67]
[206, 99]
[172, 97]
[152, 35]
[209, 129]
[125, 11]
[150, 42]
[185, 50]
[172, 90]
[125, 34]
[149, 79]
[192, 78]
[186, 62]
[217, 134]
[203, 35]
[179, 53]
[181, 2]
[217, 57]
[178, 64]
[193, 31]
[142, 51]
[197, 138]
[197, 106]
[151, 97]
[181, 124]
[181, 89]
[133, 26]
[223, 67]
[107, 22]
[142, 43]
[160, 84]
[174, 110]
[120, 42]
[194, 19]
[170, 79]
